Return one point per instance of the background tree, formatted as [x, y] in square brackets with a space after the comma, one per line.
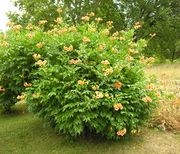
[35, 10]
[156, 16]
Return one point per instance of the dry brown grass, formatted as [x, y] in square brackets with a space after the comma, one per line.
[167, 116]
[165, 71]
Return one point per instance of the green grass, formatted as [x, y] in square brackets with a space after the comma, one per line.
[25, 134]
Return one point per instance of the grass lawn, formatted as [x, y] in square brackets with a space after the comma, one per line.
[25, 134]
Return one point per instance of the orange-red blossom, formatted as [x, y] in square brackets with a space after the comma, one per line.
[70, 48]
[99, 95]
[85, 18]
[108, 71]
[39, 45]
[41, 63]
[121, 132]
[36, 56]
[105, 62]
[86, 40]
[22, 97]
[118, 85]
[74, 61]
[27, 84]
[147, 99]
[81, 82]
[118, 106]
[96, 87]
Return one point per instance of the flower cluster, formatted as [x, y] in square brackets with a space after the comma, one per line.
[41, 63]
[17, 28]
[98, 95]
[31, 27]
[132, 51]
[86, 40]
[158, 94]
[91, 14]
[118, 106]
[74, 61]
[108, 71]
[30, 35]
[70, 48]
[137, 25]
[36, 56]
[27, 84]
[107, 95]
[98, 19]
[81, 82]
[150, 86]
[106, 32]
[58, 20]
[72, 29]
[39, 45]
[147, 61]
[42, 22]
[59, 10]
[85, 18]
[147, 99]
[62, 30]
[121, 38]
[117, 85]
[121, 132]
[129, 58]
[105, 62]
[21, 97]
[101, 47]
[4, 44]
[96, 87]
[110, 23]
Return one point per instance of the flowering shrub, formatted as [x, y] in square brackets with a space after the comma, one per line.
[82, 79]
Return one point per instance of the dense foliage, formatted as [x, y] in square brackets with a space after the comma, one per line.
[160, 18]
[82, 79]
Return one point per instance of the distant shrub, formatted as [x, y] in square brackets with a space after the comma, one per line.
[81, 78]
